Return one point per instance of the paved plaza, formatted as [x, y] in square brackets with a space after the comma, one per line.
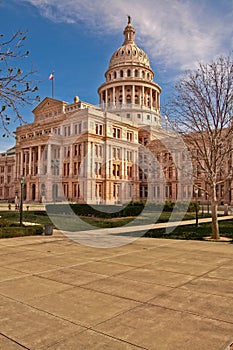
[56, 294]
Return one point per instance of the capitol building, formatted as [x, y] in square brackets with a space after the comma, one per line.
[113, 153]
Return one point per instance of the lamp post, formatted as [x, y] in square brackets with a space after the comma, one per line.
[202, 204]
[196, 193]
[16, 199]
[21, 201]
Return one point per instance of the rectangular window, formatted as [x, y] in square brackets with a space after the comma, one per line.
[74, 190]
[116, 133]
[75, 150]
[67, 130]
[129, 136]
[77, 129]
[129, 156]
[79, 149]
[98, 129]
[98, 168]
[116, 153]
[75, 168]
[96, 150]
[129, 171]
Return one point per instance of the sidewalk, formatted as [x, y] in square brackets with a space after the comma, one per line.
[151, 294]
[118, 236]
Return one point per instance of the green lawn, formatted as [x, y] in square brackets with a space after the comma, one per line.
[71, 223]
[193, 232]
[75, 223]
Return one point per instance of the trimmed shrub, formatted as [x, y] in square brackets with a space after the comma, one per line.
[112, 211]
[19, 231]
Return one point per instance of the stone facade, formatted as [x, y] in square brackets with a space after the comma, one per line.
[7, 175]
[112, 153]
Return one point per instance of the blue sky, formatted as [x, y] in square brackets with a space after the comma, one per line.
[76, 39]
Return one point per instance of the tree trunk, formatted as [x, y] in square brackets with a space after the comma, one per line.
[215, 227]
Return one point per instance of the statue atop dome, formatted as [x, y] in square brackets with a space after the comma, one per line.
[129, 33]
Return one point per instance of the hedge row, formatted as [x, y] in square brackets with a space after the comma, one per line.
[14, 231]
[112, 211]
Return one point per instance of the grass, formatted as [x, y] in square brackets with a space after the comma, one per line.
[72, 223]
[75, 223]
[192, 232]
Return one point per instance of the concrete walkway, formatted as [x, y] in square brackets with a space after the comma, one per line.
[118, 236]
[155, 294]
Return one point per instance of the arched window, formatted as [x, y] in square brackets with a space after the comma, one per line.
[136, 99]
[128, 73]
[128, 99]
[136, 73]
[148, 76]
[143, 74]
[121, 73]
[115, 75]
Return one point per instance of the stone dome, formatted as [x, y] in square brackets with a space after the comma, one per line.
[129, 52]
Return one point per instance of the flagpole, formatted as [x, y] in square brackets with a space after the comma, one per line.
[51, 77]
[53, 87]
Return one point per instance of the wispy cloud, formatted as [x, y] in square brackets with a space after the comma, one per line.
[174, 33]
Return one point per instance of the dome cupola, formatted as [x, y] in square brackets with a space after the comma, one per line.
[129, 52]
[129, 89]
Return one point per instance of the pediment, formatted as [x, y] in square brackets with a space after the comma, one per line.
[47, 104]
[47, 109]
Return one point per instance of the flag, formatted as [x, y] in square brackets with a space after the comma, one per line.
[51, 76]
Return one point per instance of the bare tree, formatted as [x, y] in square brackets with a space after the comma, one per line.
[16, 86]
[202, 108]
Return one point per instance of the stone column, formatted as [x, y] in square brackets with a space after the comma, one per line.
[21, 163]
[107, 161]
[83, 160]
[123, 94]
[92, 160]
[126, 163]
[113, 96]
[106, 97]
[122, 164]
[133, 95]
[30, 161]
[71, 161]
[110, 161]
[49, 159]
[151, 102]
[39, 160]
[143, 96]
[17, 166]
[61, 155]
[156, 100]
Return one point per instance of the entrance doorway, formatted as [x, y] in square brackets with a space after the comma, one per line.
[33, 192]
